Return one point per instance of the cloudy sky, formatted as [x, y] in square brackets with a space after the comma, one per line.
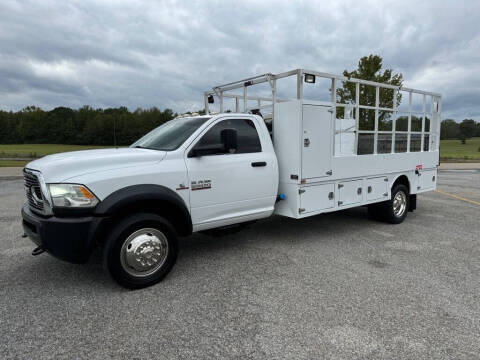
[166, 53]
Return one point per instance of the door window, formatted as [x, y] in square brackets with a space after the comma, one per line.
[247, 136]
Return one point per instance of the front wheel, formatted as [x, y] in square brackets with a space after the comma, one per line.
[141, 250]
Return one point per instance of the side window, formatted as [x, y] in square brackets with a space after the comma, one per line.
[247, 136]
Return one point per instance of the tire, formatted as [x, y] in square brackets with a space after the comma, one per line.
[141, 250]
[397, 212]
[391, 211]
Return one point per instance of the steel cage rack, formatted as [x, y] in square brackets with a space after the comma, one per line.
[222, 92]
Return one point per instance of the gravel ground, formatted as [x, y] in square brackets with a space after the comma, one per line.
[336, 286]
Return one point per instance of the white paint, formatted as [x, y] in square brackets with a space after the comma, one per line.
[237, 188]
[301, 163]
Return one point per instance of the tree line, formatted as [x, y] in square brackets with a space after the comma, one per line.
[84, 126]
[119, 126]
[468, 128]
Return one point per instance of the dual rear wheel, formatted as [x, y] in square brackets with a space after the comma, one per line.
[394, 210]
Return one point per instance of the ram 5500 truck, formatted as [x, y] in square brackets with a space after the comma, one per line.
[198, 173]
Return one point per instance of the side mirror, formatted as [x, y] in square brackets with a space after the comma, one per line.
[199, 151]
[228, 145]
[229, 139]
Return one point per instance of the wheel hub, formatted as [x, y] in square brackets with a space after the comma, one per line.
[144, 252]
[399, 203]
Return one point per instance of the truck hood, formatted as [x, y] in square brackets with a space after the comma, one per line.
[64, 166]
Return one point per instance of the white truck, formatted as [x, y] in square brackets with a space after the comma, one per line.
[377, 147]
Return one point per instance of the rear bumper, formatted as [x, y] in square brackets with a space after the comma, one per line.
[70, 238]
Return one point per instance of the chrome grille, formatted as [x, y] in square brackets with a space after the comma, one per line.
[33, 190]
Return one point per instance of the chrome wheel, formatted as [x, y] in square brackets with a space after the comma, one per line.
[144, 252]
[399, 203]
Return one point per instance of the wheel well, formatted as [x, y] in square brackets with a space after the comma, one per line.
[402, 179]
[164, 208]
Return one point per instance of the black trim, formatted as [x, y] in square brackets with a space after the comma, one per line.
[412, 203]
[124, 198]
[72, 212]
[70, 239]
[259, 163]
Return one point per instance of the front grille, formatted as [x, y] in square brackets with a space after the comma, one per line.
[33, 190]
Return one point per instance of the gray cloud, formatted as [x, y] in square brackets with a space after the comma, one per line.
[166, 53]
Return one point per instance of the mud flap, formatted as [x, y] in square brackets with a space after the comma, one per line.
[412, 202]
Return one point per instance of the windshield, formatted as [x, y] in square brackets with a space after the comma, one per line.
[170, 135]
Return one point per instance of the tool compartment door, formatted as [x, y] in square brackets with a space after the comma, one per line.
[316, 141]
[427, 179]
[318, 197]
[377, 188]
[350, 192]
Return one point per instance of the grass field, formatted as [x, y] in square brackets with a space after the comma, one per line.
[39, 150]
[9, 153]
[453, 150]
[12, 163]
[450, 150]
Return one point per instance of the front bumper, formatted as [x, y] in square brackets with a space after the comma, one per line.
[68, 238]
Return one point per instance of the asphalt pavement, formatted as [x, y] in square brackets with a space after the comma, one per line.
[333, 286]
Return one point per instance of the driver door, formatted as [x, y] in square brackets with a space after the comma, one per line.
[232, 185]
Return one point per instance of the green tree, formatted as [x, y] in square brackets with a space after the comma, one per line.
[60, 127]
[370, 68]
[467, 129]
[31, 124]
[85, 126]
[8, 127]
[449, 129]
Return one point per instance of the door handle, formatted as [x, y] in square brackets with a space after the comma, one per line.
[259, 163]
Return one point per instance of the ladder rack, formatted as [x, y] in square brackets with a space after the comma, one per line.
[303, 76]
[221, 91]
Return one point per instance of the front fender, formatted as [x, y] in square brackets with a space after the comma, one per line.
[156, 197]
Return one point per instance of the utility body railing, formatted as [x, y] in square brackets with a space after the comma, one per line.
[222, 92]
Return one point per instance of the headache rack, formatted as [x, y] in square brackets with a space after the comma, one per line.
[411, 115]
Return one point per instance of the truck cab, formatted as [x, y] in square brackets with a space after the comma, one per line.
[190, 174]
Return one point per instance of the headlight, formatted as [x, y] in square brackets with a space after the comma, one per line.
[72, 195]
